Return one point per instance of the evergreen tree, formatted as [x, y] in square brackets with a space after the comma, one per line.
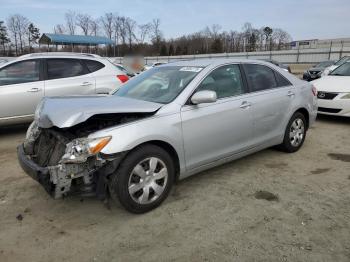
[3, 36]
[163, 50]
[33, 35]
[171, 50]
[216, 47]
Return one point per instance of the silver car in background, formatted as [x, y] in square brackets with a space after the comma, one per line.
[168, 123]
[25, 80]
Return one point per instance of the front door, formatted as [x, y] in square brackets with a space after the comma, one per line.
[216, 130]
[21, 89]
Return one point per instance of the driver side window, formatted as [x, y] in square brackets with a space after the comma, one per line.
[226, 81]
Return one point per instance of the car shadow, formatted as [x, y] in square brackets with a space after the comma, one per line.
[333, 119]
[14, 129]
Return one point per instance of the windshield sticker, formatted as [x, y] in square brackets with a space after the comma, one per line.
[191, 69]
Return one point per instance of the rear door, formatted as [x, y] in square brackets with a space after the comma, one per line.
[271, 98]
[216, 130]
[21, 88]
[67, 76]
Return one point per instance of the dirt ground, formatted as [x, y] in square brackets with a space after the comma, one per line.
[218, 215]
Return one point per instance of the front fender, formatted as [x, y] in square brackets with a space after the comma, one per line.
[166, 128]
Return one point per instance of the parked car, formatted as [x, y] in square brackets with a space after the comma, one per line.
[147, 67]
[168, 123]
[276, 63]
[128, 72]
[334, 92]
[3, 61]
[316, 71]
[341, 61]
[26, 80]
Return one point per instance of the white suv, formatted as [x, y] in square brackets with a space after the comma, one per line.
[29, 78]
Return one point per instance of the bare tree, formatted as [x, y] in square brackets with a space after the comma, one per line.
[116, 24]
[156, 34]
[18, 26]
[130, 25]
[107, 24]
[94, 27]
[215, 30]
[12, 27]
[70, 17]
[144, 31]
[280, 37]
[84, 22]
[59, 29]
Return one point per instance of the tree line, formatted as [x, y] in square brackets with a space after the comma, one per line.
[18, 36]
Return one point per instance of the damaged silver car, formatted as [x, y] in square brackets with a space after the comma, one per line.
[168, 123]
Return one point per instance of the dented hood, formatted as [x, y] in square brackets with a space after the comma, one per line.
[69, 111]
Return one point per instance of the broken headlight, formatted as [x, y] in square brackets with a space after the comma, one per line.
[78, 150]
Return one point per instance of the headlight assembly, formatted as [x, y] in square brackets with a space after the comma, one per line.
[80, 149]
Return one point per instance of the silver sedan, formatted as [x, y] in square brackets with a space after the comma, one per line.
[168, 123]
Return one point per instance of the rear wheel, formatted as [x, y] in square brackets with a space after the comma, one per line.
[144, 179]
[295, 133]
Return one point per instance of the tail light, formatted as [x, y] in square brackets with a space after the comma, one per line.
[314, 90]
[123, 78]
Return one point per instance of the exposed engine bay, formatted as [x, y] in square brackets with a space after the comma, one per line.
[65, 158]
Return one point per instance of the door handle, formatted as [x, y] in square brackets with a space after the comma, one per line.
[86, 84]
[245, 104]
[34, 89]
[290, 94]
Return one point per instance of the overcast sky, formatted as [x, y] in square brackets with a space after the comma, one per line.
[303, 19]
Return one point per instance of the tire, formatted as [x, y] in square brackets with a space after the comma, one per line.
[143, 180]
[292, 143]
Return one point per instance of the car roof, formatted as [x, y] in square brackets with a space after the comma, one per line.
[213, 62]
[58, 55]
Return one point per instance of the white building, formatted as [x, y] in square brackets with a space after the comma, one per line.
[324, 43]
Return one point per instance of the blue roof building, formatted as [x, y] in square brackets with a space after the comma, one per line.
[58, 39]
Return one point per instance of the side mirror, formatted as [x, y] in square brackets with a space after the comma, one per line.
[204, 96]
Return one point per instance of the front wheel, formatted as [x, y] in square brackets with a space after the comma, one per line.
[144, 179]
[295, 133]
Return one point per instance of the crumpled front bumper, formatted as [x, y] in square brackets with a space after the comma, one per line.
[57, 180]
[40, 174]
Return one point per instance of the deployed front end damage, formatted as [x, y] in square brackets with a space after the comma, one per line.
[61, 166]
[64, 160]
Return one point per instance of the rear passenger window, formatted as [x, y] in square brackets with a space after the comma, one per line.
[226, 81]
[63, 68]
[260, 77]
[94, 66]
[281, 80]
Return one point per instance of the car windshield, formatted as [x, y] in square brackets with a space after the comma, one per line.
[324, 64]
[159, 84]
[342, 60]
[343, 70]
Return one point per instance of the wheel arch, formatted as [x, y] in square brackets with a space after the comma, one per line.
[167, 147]
[305, 113]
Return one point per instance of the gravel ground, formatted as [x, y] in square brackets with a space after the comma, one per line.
[218, 215]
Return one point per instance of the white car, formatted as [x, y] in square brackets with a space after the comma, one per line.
[147, 67]
[3, 61]
[334, 92]
[341, 61]
[27, 79]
